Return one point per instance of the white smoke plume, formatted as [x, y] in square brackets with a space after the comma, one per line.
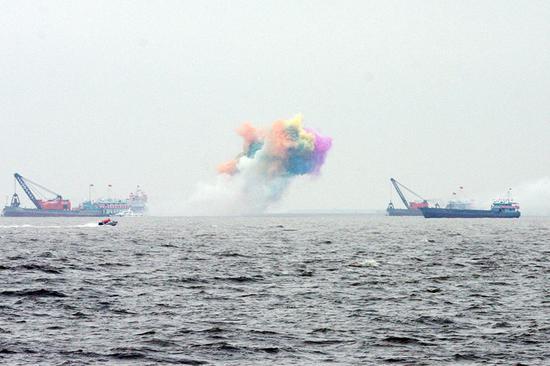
[246, 194]
[534, 196]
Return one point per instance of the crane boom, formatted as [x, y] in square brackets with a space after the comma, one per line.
[401, 195]
[27, 190]
[408, 205]
[24, 183]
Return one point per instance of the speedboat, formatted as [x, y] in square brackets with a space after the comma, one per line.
[107, 222]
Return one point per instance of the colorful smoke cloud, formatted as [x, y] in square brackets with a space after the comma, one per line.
[259, 175]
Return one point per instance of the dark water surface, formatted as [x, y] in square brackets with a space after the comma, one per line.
[303, 290]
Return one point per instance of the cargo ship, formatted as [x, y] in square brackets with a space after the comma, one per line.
[60, 207]
[503, 208]
[412, 207]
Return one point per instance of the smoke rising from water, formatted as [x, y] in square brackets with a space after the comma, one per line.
[258, 177]
[534, 196]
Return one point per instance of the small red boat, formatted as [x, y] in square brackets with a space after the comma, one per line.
[107, 222]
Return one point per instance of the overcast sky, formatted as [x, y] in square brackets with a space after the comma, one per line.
[435, 93]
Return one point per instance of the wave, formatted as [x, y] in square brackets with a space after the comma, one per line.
[33, 293]
[33, 267]
[365, 263]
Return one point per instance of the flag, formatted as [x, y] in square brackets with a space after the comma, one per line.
[91, 185]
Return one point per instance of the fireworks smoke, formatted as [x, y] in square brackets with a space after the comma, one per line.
[261, 173]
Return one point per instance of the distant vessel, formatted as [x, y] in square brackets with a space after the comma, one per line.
[503, 208]
[134, 205]
[59, 207]
[412, 208]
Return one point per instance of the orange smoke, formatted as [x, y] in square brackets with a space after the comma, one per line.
[278, 141]
[229, 167]
[248, 132]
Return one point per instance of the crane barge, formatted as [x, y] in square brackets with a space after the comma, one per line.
[55, 207]
[412, 208]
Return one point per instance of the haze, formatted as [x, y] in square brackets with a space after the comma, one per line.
[435, 93]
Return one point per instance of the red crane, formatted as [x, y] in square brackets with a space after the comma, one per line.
[58, 203]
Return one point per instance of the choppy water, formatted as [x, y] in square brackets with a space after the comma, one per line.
[275, 290]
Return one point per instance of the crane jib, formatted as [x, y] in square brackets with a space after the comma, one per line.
[28, 191]
[397, 186]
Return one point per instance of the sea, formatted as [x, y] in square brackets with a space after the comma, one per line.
[275, 290]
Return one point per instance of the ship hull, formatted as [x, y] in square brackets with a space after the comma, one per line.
[432, 213]
[403, 212]
[32, 212]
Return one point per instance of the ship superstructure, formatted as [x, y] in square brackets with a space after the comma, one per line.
[134, 205]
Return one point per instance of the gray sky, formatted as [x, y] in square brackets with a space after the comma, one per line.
[435, 93]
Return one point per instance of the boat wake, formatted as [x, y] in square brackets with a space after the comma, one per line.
[90, 224]
[24, 226]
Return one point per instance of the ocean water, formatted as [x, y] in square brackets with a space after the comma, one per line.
[275, 290]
